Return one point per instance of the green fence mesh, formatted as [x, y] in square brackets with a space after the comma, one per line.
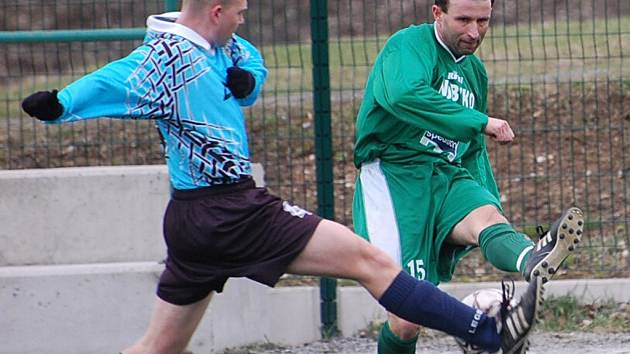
[559, 73]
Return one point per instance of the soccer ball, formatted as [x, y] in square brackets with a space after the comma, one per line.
[488, 301]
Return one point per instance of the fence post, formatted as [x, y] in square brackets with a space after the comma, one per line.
[323, 150]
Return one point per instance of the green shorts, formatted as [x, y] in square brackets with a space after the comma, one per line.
[409, 210]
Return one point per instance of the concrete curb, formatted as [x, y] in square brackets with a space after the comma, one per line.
[80, 215]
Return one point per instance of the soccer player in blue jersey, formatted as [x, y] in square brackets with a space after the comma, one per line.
[191, 76]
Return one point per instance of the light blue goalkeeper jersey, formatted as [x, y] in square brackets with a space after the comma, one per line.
[177, 79]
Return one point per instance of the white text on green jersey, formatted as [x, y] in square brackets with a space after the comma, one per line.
[451, 90]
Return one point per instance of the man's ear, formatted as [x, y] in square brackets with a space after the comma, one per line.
[215, 12]
[437, 12]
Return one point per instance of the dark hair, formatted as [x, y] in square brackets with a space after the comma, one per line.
[443, 4]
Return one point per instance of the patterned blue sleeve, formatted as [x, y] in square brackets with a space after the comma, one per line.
[246, 56]
[111, 91]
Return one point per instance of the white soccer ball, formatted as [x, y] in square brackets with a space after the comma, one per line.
[488, 301]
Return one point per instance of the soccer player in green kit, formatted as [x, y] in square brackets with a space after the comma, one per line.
[426, 193]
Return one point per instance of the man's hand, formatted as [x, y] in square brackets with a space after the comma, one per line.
[241, 82]
[499, 130]
[43, 105]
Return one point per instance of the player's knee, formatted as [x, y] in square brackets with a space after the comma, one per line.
[495, 217]
[404, 330]
[486, 216]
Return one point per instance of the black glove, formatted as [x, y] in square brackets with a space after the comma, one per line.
[241, 82]
[43, 105]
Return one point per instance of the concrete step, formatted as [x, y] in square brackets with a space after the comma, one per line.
[84, 215]
[103, 308]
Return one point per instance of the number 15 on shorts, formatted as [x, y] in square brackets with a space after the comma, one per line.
[416, 269]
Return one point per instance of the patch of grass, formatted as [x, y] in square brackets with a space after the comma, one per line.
[565, 313]
[347, 282]
[560, 51]
[288, 280]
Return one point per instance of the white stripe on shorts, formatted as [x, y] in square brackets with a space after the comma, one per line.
[381, 222]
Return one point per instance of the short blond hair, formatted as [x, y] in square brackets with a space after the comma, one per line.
[202, 3]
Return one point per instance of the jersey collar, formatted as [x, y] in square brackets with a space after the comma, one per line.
[437, 37]
[166, 23]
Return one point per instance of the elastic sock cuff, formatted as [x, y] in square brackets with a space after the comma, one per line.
[398, 291]
[522, 258]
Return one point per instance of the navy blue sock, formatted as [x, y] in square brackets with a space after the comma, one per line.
[423, 303]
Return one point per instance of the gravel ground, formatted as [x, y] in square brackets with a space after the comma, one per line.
[547, 343]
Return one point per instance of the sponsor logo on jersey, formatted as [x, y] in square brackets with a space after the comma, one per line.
[440, 144]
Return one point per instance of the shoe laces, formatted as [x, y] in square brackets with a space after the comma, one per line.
[540, 231]
[507, 287]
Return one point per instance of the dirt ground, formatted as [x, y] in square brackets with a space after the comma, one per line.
[541, 343]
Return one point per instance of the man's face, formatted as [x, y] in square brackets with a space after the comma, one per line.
[231, 16]
[465, 24]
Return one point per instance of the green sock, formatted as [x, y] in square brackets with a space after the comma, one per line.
[505, 248]
[389, 343]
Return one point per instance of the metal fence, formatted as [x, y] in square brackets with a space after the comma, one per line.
[559, 73]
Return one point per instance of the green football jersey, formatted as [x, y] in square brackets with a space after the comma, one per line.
[420, 101]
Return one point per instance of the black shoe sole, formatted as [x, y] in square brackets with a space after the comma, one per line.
[569, 232]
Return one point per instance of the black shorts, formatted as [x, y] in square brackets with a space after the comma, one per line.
[234, 230]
